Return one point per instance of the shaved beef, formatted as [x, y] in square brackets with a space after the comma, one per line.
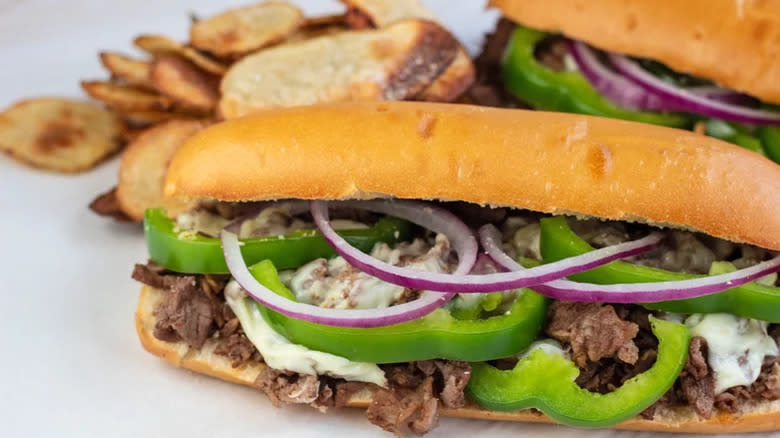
[593, 330]
[765, 388]
[488, 88]
[416, 408]
[696, 381]
[185, 313]
[283, 386]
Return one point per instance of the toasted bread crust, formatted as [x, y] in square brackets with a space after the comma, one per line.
[764, 417]
[549, 162]
[736, 43]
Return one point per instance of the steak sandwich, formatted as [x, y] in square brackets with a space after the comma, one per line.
[711, 66]
[423, 260]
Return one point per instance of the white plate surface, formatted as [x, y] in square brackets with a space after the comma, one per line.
[71, 364]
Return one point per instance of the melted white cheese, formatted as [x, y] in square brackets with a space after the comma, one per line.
[281, 354]
[737, 347]
[335, 284]
[549, 346]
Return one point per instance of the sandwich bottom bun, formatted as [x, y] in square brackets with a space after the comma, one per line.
[758, 418]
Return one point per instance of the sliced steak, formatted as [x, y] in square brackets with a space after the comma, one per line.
[594, 331]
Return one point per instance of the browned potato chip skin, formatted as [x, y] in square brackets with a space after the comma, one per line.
[126, 97]
[393, 63]
[146, 118]
[319, 26]
[240, 31]
[458, 77]
[133, 71]
[380, 13]
[160, 44]
[143, 166]
[106, 204]
[185, 83]
[59, 134]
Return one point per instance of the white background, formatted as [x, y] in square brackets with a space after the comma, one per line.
[71, 364]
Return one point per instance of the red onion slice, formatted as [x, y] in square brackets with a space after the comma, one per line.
[724, 95]
[679, 99]
[629, 292]
[612, 85]
[427, 303]
[442, 221]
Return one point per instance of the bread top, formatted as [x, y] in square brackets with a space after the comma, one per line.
[735, 43]
[549, 162]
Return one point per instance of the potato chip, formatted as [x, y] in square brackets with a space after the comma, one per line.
[59, 134]
[185, 83]
[453, 82]
[143, 166]
[319, 26]
[393, 63]
[146, 118]
[106, 204]
[132, 71]
[160, 44]
[126, 97]
[237, 32]
[380, 13]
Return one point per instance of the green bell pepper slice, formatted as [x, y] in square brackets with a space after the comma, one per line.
[751, 300]
[437, 335]
[770, 139]
[735, 134]
[545, 381]
[203, 255]
[565, 91]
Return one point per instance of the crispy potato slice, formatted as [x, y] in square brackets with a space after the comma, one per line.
[458, 77]
[133, 71]
[146, 118]
[185, 83]
[380, 13]
[107, 205]
[319, 26]
[393, 63]
[237, 32]
[143, 166]
[455, 81]
[59, 134]
[126, 97]
[160, 44]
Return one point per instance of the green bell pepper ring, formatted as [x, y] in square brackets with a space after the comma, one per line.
[435, 336]
[545, 381]
[770, 139]
[565, 91]
[751, 300]
[203, 255]
[735, 134]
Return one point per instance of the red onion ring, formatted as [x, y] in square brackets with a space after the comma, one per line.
[612, 85]
[427, 303]
[724, 95]
[442, 221]
[629, 292]
[679, 99]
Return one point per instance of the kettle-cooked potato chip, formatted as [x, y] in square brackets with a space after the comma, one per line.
[160, 44]
[393, 63]
[144, 164]
[182, 81]
[453, 82]
[59, 134]
[132, 71]
[126, 97]
[240, 31]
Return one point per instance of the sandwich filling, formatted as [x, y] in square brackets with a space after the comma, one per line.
[525, 67]
[712, 353]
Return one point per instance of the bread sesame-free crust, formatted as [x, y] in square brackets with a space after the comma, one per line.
[735, 43]
[760, 417]
[548, 162]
